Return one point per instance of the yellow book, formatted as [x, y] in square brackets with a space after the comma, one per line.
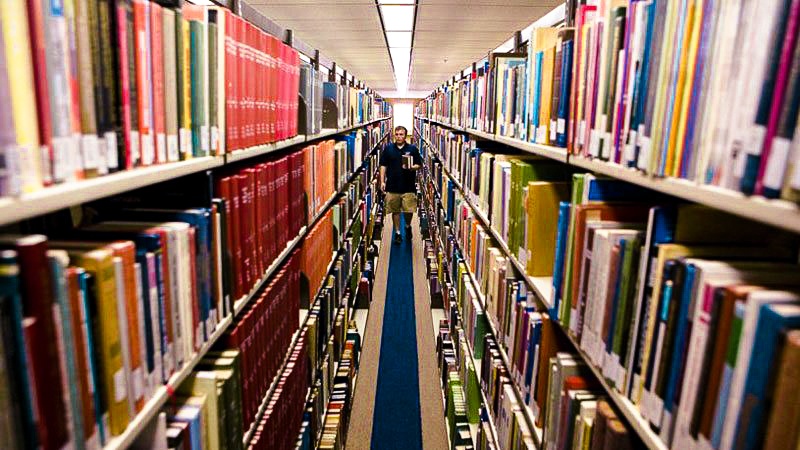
[688, 66]
[99, 263]
[14, 20]
[204, 384]
[546, 97]
[541, 209]
[541, 39]
[185, 124]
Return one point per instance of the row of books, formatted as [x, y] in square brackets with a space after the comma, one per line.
[263, 331]
[98, 87]
[528, 326]
[467, 348]
[648, 85]
[206, 411]
[648, 289]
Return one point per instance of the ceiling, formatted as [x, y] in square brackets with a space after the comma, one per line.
[449, 34]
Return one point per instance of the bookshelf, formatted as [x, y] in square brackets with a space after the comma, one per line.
[542, 286]
[304, 313]
[54, 198]
[536, 432]
[162, 395]
[778, 213]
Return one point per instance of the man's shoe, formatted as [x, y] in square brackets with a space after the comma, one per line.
[408, 234]
[398, 238]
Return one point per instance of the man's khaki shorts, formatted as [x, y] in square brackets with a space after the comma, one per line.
[396, 203]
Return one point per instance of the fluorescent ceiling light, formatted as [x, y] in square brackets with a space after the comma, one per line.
[397, 17]
[396, 2]
[399, 39]
[401, 57]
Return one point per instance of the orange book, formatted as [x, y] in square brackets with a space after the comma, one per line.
[159, 105]
[141, 17]
[126, 250]
[80, 326]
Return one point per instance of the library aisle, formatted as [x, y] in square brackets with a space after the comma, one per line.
[397, 403]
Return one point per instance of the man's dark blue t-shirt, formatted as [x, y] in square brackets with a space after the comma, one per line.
[399, 180]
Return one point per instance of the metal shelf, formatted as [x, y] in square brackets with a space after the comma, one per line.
[163, 393]
[775, 212]
[259, 150]
[60, 196]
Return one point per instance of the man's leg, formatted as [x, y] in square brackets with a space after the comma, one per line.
[396, 222]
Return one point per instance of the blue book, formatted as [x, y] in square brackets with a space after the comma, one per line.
[141, 258]
[94, 368]
[561, 249]
[533, 342]
[640, 84]
[537, 87]
[773, 320]
[16, 358]
[613, 190]
[564, 96]
[679, 351]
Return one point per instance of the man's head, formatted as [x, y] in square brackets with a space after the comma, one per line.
[400, 133]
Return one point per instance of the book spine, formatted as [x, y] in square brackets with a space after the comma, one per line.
[141, 9]
[171, 93]
[158, 93]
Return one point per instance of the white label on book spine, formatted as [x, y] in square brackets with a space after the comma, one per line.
[136, 154]
[776, 164]
[582, 132]
[120, 386]
[112, 155]
[630, 148]
[553, 126]
[161, 147]
[173, 149]
[561, 126]
[214, 139]
[644, 152]
[90, 151]
[102, 154]
[61, 148]
[204, 139]
[13, 170]
[185, 141]
[138, 383]
[148, 152]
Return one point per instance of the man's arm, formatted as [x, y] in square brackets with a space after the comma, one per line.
[382, 179]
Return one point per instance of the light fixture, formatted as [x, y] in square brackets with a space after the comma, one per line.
[397, 17]
[399, 39]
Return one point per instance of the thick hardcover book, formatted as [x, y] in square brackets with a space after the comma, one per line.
[159, 96]
[231, 67]
[171, 93]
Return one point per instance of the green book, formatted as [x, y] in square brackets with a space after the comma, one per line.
[213, 61]
[473, 393]
[226, 366]
[481, 328]
[197, 61]
[566, 292]
[627, 288]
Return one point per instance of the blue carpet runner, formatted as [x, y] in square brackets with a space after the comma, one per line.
[396, 423]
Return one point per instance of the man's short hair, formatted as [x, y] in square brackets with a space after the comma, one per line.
[400, 127]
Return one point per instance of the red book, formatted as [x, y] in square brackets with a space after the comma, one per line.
[263, 170]
[255, 274]
[159, 105]
[293, 93]
[263, 66]
[270, 82]
[81, 350]
[141, 18]
[37, 294]
[238, 245]
[239, 186]
[251, 85]
[127, 74]
[241, 56]
[39, 59]
[231, 73]
[272, 210]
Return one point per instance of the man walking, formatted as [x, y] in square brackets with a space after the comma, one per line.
[399, 163]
